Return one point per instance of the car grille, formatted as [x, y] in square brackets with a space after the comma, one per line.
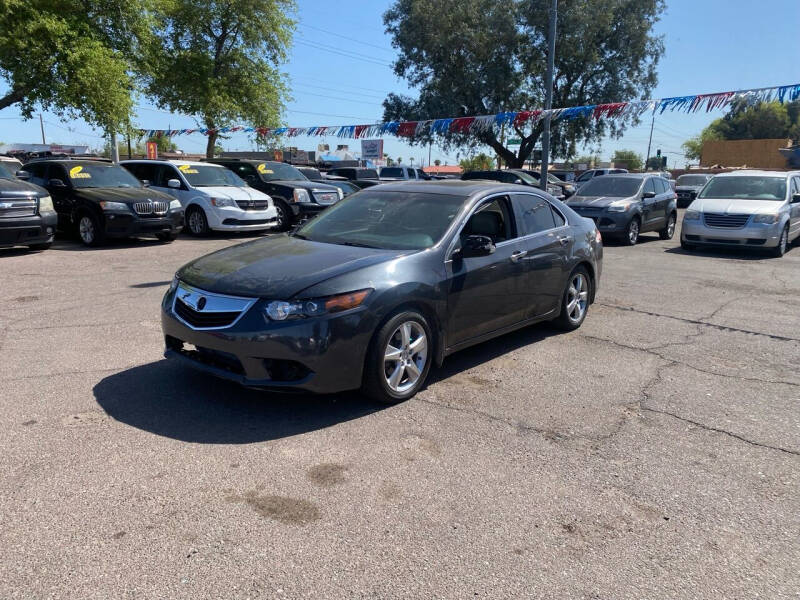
[204, 310]
[253, 204]
[326, 197]
[22, 207]
[151, 208]
[686, 195]
[725, 221]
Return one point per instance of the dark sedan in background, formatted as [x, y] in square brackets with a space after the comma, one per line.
[687, 187]
[376, 289]
[626, 205]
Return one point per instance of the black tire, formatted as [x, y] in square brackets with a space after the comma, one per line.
[631, 235]
[166, 237]
[783, 243]
[566, 319]
[376, 381]
[90, 232]
[669, 229]
[44, 246]
[687, 246]
[284, 215]
[196, 221]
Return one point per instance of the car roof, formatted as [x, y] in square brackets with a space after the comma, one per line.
[451, 186]
[758, 173]
[193, 163]
[71, 161]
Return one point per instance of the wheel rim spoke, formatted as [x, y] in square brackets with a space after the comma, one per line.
[392, 353]
[418, 346]
[413, 371]
[405, 333]
[397, 375]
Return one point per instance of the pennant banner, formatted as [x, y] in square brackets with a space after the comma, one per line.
[479, 124]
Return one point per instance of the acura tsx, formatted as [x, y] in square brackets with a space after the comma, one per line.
[385, 283]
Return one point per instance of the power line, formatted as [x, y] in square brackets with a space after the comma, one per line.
[348, 54]
[334, 83]
[343, 99]
[305, 112]
[339, 90]
[344, 37]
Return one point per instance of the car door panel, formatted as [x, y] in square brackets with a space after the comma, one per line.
[794, 210]
[649, 206]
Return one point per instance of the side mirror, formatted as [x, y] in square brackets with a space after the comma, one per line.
[174, 183]
[146, 182]
[648, 195]
[518, 181]
[477, 245]
[56, 183]
[23, 175]
[795, 198]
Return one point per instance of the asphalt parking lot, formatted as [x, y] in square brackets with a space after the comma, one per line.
[653, 453]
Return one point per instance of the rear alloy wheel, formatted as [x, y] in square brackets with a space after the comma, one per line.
[284, 219]
[399, 358]
[632, 232]
[197, 222]
[669, 230]
[783, 243]
[89, 230]
[575, 301]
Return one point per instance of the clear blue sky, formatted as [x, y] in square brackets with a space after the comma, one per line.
[340, 71]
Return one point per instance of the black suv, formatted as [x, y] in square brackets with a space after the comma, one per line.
[27, 217]
[295, 197]
[100, 199]
[360, 176]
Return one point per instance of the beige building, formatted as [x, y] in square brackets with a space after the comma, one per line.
[759, 154]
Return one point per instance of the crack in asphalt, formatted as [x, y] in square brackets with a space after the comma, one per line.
[771, 336]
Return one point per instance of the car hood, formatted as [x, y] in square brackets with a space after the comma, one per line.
[279, 267]
[318, 186]
[121, 194]
[735, 207]
[16, 188]
[595, 201]
[234, 193]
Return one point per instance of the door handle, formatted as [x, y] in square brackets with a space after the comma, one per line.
[564, 240]
[518, 255]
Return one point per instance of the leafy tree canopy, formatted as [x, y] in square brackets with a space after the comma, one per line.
[479, 162]
[72, 57]
[633, 160]
[488, 56]
[218, 59]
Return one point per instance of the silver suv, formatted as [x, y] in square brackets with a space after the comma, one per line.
[755, 209]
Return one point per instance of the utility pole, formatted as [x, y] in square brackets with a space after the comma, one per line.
[650, 141]
[41, 124]
[430, 145]
[129, 141]
[548, 85]
[114, 148]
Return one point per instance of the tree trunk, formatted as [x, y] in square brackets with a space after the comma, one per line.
[212, 142]
[12, 97]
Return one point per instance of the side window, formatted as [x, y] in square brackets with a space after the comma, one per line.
[585, 176]
[534, 214]
[168, 172]
[649, 185]
[243, 170]
[492, 219]
[661, 187]
[38, 173]
[558, 217]
[58, 172]
[795, 186]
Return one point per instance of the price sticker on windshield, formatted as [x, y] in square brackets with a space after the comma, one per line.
[187, 169]
[262, 168]
[79, 173]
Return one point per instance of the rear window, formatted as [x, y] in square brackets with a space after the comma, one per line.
[391, 172]
[367, 174]
[617, 187]
[692, 180]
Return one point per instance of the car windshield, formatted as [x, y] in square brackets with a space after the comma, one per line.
[691, 180]
[311, 174]
[101, 175]
[275, 171]
[608, 185]
[5, 172]
[525, 177]
[210, 176]
[748, 187]
[389, 220]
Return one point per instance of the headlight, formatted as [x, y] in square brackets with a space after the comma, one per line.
[174, 283]
[46, 204]
[767, 218]
[113, 205]
[301, 196]
[174, 204]
[619, 207]
[569, 188]
[340, 192]
[691, 215]
[280, 310]
[223, 202]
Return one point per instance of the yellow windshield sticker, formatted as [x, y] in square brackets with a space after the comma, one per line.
[78, 173]
[262, 168]
[187, 169]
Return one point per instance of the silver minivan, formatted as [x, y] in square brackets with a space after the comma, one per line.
[748, 208]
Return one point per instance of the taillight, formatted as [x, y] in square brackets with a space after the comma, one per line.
[597, 237]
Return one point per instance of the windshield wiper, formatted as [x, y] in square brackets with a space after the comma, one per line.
[357, 245]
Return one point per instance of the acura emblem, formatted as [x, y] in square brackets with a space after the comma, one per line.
[201, 303]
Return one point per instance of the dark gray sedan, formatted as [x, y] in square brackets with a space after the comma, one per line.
[372, 292]
[626, 205]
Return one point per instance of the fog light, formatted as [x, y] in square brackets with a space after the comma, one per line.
[49, 230]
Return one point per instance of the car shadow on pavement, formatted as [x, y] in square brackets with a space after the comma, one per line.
[731, 253]
[177, 402]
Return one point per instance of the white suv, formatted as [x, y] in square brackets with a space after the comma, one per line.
[212, 196]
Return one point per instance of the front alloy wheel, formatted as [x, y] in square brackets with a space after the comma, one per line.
[197, 222]
[632, 232]
[89, 231]
[783, 243]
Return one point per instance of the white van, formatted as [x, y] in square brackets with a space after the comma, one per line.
[212, 196]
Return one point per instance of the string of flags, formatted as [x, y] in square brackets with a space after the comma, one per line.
[482, 123]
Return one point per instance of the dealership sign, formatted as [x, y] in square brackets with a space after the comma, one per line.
[372, 149]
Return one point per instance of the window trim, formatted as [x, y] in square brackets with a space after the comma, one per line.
[552, 207]
[459, 227]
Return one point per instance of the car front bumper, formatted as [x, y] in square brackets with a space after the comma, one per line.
[26, 231]
[127, 224]
[754, 235]
[607, 222]
[229, 218]
[321, 355]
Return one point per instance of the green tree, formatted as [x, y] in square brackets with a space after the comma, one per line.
[437, 162]
[219, 59]
[478, 162]
[487, 56]
[655, 163]
[633, 160]
[587, 159]
[164, 143]
[75, 59]
[693, 147]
